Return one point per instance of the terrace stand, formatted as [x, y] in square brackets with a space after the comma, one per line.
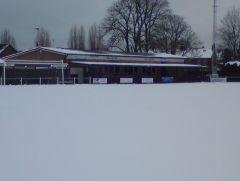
[54, 64]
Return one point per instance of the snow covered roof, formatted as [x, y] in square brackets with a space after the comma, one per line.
[67, 51]
[3, 47]
[119, 54]
[237, 63]
[200, 53]
[108, 56]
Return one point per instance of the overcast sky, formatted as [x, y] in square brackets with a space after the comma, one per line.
[21, 16]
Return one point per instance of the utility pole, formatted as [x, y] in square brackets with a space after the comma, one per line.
[214, 55]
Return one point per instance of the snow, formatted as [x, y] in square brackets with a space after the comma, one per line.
[167, 55]
[237, 63]
[200, 53]
[80, 52]
[172, 132]
[68, 51]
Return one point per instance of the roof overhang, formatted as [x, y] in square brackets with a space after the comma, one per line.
[33, 50]
[140, 59]
[137, 64]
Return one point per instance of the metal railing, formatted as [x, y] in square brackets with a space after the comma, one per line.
[87, 80]
[39, 81]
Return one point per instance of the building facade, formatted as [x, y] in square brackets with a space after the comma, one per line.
[101, 67]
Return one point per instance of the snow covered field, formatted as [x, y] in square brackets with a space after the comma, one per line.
[175, 132]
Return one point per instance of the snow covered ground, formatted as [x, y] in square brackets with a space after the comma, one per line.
[175, 132]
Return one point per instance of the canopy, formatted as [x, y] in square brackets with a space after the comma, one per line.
[139, 64]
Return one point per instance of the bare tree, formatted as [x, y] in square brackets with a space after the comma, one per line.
[7, 38]
[229, 32]
[42, 38]
[73, 38]
[95, 35]
[117, 24]
[152, 12]
[173, 34]
[129, 23]
[77, 38]
[82, 38]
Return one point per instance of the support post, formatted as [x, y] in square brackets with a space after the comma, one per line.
[62, 73]
[74, 80]
[40, 80]
[4, 73]
[57, 80]
[21, 81]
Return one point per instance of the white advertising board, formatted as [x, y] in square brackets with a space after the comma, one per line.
[126, 80]
[147, 80]
[99, 80]
[218, 79]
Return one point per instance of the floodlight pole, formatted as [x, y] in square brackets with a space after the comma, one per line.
[214, 54]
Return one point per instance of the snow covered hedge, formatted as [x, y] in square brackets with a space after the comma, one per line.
[233, 63]
[231, 68]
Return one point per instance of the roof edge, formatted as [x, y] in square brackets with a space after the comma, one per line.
[32, 50]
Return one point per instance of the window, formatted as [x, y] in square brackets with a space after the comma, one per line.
[100, 70]
[149, 70]
[130, 70]
[126, 70]
[135, 70]
[117, 69]
[144, 70]
[105, 70]
[153, 70]
[111, 69]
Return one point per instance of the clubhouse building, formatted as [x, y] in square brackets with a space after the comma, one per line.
[59, 65]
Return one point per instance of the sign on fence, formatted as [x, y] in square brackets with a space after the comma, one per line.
[167, 79]
[100, 81]
[126, 80]
[147, 80]
[218, 79]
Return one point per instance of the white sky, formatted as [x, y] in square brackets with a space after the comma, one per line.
[58, 16]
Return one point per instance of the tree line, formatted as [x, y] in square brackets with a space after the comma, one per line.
[77, 38]
[229, 33]
[143, 26]
[148, 25]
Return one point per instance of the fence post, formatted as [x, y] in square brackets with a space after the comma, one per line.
[40, 80]
[57, 80]
[74, 79]
[21, 81]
